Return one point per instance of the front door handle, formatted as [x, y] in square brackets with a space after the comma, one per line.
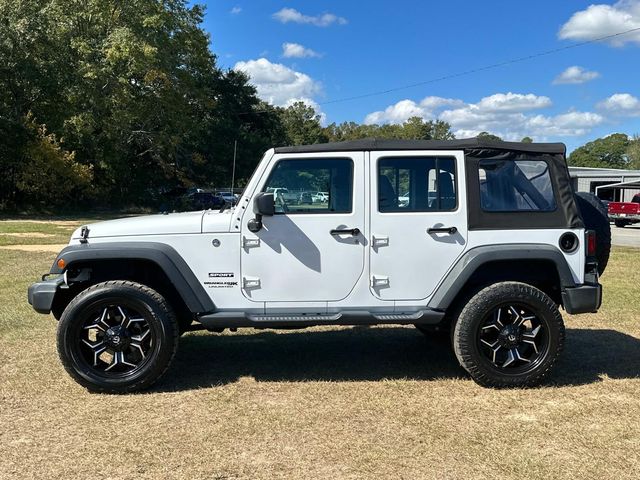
[449, 230]
[344, 231]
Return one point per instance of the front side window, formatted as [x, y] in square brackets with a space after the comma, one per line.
[312, 186]
[513, 186]
[416, 184]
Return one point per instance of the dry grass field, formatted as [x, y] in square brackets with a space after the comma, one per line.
[322, 403]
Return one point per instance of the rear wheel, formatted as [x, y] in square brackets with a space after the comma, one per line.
[509, 335]
[621, 223]
[117, 337]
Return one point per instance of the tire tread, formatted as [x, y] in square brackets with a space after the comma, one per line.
[464, 334]
[143, 382]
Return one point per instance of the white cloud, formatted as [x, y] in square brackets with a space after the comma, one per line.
[601, 20]
[295, 50]
[568, 124]
[434, 103]
[287, 15]
[235, 10]
[508, 115]
[512, 102]
[622, 104]
[396, 113]
[406, 109]
[278, 84]
[575, 75]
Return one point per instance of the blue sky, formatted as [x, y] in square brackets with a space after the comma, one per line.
[326, 51]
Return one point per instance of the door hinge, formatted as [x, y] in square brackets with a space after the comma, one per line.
[250, 242]
[378, 281]
[250, 282]
[379, 241]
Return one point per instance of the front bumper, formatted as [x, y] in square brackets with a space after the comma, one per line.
[41, 294]
[582, 299]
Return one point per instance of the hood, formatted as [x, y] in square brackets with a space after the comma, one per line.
[160, 224]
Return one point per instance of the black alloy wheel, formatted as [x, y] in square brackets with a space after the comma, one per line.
[513, 339]
[508, 335]
[117, 337]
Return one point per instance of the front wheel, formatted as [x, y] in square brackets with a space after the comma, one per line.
[117, 337]
[509, 335]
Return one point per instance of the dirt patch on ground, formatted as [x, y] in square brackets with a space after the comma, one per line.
[29, 235]
[35, 248]
[62, 223]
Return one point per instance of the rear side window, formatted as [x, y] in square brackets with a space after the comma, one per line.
[416, 184]
[515, 186]
[312, 186]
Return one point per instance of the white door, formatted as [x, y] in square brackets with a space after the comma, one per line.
[418, 221]
[312, 249]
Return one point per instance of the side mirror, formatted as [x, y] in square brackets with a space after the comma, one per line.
[263, 204]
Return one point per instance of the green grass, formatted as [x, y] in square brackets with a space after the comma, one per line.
[44, 231]
[378, 402]
[34, 233]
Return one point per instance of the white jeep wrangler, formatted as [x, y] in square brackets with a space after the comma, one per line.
[487, 242]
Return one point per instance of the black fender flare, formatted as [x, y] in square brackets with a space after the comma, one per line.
[474, 258]
[164, 256]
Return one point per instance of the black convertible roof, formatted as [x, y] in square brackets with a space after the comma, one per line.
[370, 144]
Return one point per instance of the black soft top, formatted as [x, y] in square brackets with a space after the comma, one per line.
[467, 144]
[565, 215]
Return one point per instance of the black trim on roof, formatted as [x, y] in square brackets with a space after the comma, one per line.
[371, 144]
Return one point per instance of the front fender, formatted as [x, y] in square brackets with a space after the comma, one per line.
[164, 256]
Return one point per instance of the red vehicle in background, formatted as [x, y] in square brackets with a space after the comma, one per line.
[625, 213]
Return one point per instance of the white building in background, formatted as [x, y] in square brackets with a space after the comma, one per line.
[595, 180]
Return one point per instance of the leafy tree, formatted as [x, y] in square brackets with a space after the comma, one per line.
[49, 173]
[302, 125]
[133, 90]
[415, 128]
[489, 136]
[527, 140]
[633, 153]
[607, 152]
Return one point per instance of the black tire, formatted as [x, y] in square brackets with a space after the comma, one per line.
[620, 223]
[528, 367]
[596, 217]
[126, 321]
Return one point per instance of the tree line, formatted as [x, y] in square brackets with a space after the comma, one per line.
[111, 103]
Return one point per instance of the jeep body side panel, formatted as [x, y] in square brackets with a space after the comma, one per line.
[407, 258]
[163, 255]
[295, 258]
[474, 258]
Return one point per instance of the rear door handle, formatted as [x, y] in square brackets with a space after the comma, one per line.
[449, 230]
[344, 231]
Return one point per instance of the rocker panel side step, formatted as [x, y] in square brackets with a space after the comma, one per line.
[349, 317]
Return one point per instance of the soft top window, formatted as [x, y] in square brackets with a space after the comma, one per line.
[513, 186]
